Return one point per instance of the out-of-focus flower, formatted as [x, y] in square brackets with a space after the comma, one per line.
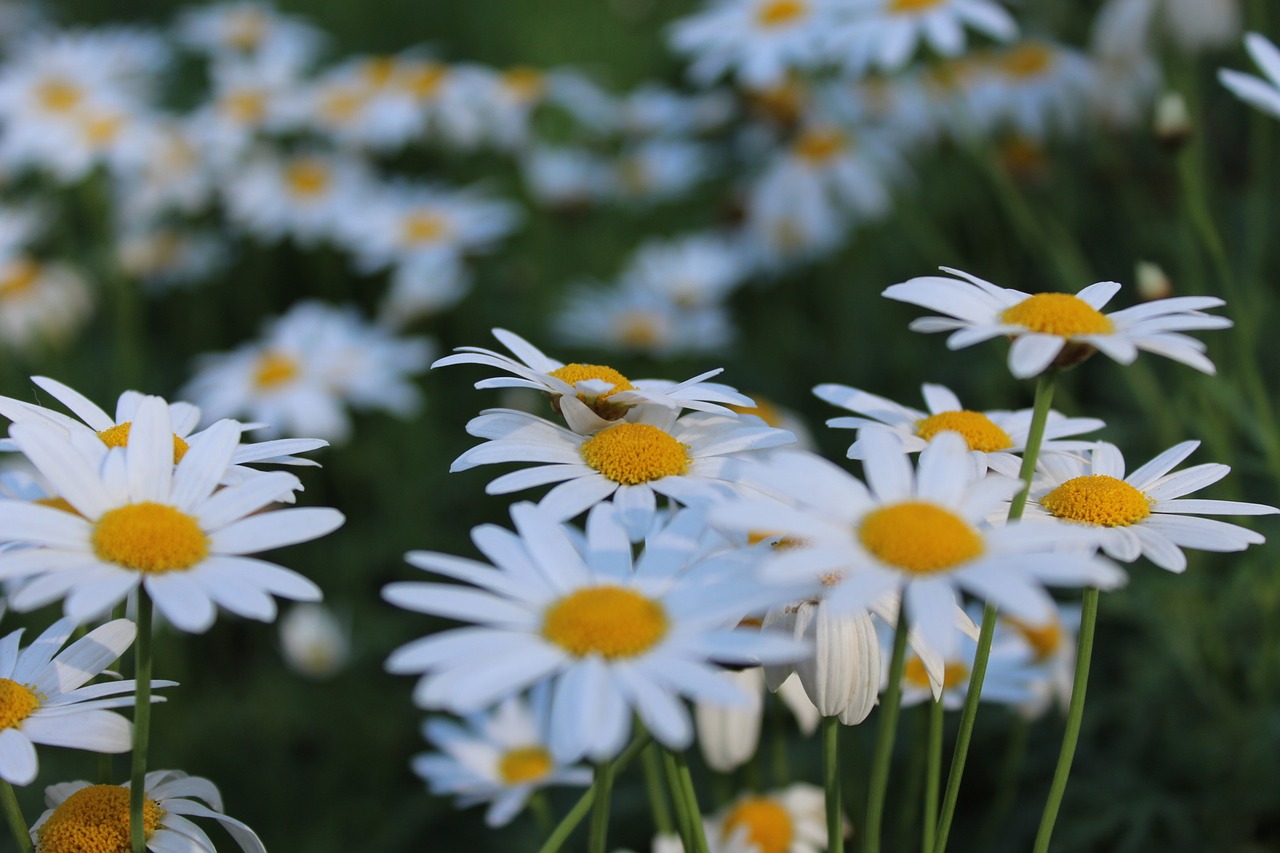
[757, 41]
[309, 197]
[1263, 94]
[885, 34]
[729, 735]
[40, 303]
[314, 641]
[790, 820]
[247, 32]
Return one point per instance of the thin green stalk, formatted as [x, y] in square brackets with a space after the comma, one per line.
[657, 796]
[1035, 437]
[781, 759]
[570, 821]
[684, 821]
[141, 723]
[1075, 713]
[885, 731]
[831, 783]
[13, 814]
[933, 776]
[697, 843]
[541, 811]
[598, 839]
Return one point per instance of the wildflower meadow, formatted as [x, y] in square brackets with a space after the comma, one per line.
[741, 426]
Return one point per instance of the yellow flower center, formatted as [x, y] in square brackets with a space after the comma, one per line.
[978, 429]
[907, 7]
[19, 278]
[819, 147]
[779, 13]
[244, 106]
[609, 621]
[246, 29]
[1098, 499]
[379, 70]
[118, 436]
[1044, 640]
[1026, 60]
[102, 129]
[525, 83]
[768, 824]
[639, 330]
[764, 409]
[149, 537]
[422, 226]
[17, 702]
[424, 81]
[342, 106]
[635, 453]
[59, 96]
[919, 538]
[274, 369]
[1058, 314]
[95, 820]
[307, 177]
[525, 764]
[599, 403]
[954, 674]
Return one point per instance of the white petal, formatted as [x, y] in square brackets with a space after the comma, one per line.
[275, 530]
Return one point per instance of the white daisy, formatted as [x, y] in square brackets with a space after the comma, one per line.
[44, 700]
[310, 197]
[140, 520]
[660, 170]
[314, 641]
[1143, 514]
[41, 304]
[569, 177]
[692, 459]
[605, 394]
[693, 270]
[498, 757]
[885, 34]
[247, 30]
[611, 636]
[1050, 651]
[1010, 679]
[80, 814]
[1059, 329]
[637, 320]
[1257, 91]
[759, 41]
[1035, 86]
[790, 820]
[995, 437]
[728, 736]
[920, 530]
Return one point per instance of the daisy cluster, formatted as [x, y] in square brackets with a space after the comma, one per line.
[138, 507]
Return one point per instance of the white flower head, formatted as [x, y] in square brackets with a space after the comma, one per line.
[885, 34]
[1264, 94]
[759, 41]
[790, 820]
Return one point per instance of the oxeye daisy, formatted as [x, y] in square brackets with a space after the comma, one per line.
[609, 635]
[1257, 91]
[884, 34]
[759, 41]
[1049, 649]
[86, 818]
[133, 519]
[790, 820]
[1010, 679]
[498, 757]
[1142, 514]
[44, 698]
[919, 530]
[697, 457]
[605, 393]
[1059, 329]
[995, 438]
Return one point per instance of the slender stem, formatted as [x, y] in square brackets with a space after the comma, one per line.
[884, 736]
[598, 839]
[684, 821]
[570, 821]
[657, 796]
[697, 843]
[1075, 713]
[141, 723]
[831, 782]
[1035, 438]
[541, 811]
[13, 813]
[933, 776]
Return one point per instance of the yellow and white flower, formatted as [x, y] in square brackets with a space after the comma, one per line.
[758, 41]
[790, 820]
[885, 34]
[1259, 92]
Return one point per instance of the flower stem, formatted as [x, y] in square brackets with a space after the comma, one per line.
[884, 737]
[1035, 437]
[600, 811]
[141, 723]
[657, 796]
[933, 776]
[831, 782]
[1075, 713]
[579, 811]
[13, 813]
[684, 790]
[684, 821]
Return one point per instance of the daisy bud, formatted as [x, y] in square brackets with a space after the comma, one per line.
[729, 735]
[843, 676]
[1152, 282]
[1173, 126]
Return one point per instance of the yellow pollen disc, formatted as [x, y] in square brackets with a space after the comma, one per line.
[118, 436]
[1098, 499]
[779, 13]
[246, 29]
[244, 106]
[95, 820]
[575, 373]
[638, 331]
[273, 369]
[1044, 640]
[307, 177]
[342, 106]
[605, 620]
[763, 409]
[900, 7]
[978, 429]
[103, 129]
[58, 503]
[525, 83]
[818, 147]
[954, 674]
[1058, 314]
[422, 226]
[768, 824]
[380, 70]
[1026, 60]
[525, 764]
[424, 81]
[149, 537]
[18, 278]
[919, 538]
[635, 453]
[17, 702]
[59, 96]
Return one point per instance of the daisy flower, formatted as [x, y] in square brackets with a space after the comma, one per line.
[1059, 329]
[1035, 86]
[611, 636]
[499, 757]
[40, 303]
[309, 197]
[920, 531]
[81, 813]
[1050, 651]
[696, 458]
[44, 700]
[692, 271]
[314, 641]
[638, 320]
[995, 438]
[140, 520]
[1010, 679]
[231, 33]
[1256, 91]
[885, 34]
[728, 736]
[790, 820]
[606, 395]
[759, 41]
[1142, 514]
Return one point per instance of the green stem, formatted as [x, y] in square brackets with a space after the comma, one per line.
[884, 736]
[1035, 438]
[657, 796]
[141, 723]
[579, 811]
[933, 776]
[1075, 713]
[697, 842]
[598, 839]
[13, 813]
[541, 811]
[831, 782]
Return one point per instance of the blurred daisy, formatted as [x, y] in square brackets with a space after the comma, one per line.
[1049, 649]
[1035, 86]
[885, 34]
[79, 810]
[611, 637]
[44, 698]
[1257, 91]
[659, 170]
[728, 736]
[314, 641]
[248, 31]
[691, 459]
[790, 820]
[1059, 329]
[41, 304]
[498, 757]
[1143, 514]
[691, 271]
[164, 258]
[245, 101]
[1010, 680]
[633, 319]
[919, 530]
[139, 520]
[564, 176]
[309, 197]
[1193, 25]
[995, 438]
[758, 41]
